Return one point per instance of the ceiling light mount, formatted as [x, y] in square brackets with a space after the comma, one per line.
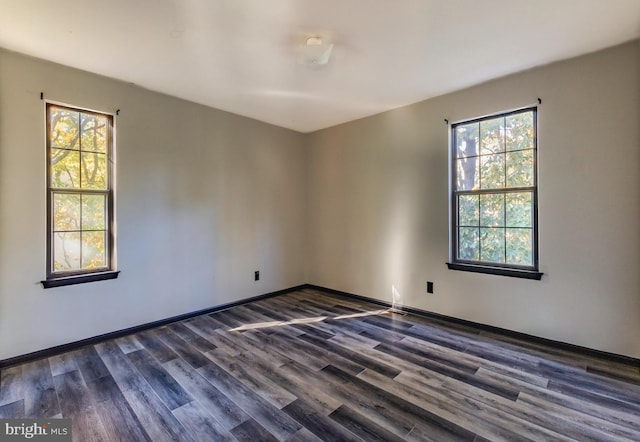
[314, 41]
[314, 52]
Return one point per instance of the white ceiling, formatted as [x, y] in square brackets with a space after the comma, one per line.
[239, 55]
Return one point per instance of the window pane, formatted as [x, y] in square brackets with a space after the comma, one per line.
[79, 148]
[492, 136]
[467, 140]
[66, 251]
[492, 171]
[520, 168]
[94, 171]
[468, 243]
[66, 212]
[492, 245]
[520, 247]
[494, 190]
[93, 250]
[468, 210]
[64, 128]
[93, 212]
[467, 175]
[94, 133]
[65, 169]
[520, 134]
[492, 210]
[519, 207]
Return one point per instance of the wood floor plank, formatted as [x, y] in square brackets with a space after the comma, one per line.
[354, 339]
[297, 380]
[448, 359]
[120, 367]
[371, 331]
[304, 435]
[328, 353]
[311, 365]
[317, 423]
[252, 378]
[350, 355]
[362, 427]
[536, 349]
[420, 433]
[316, 353]
[263, 412]
[13, 410]
[594, 397]
[185, 350]
[248, 316]
[288, 351]
[150, 340]
[392, 324]
[572, 426]
[471, 414]
[388, 399]
[274, 309]
[475, 361]
[366, 349]
[201, 425]
[159, 423]
[291, 310]
[129, 343]
[274, 321]
[546, 396]
[119, 420]
[557, 415]
[40, 397]
[226, 320]
[11, 384]
[64, 363]
[164, 385]
[504, 355]
[250, 431]
[90, 364]
[437, 367]
[368, 403]
[198, 342]
[251, 342]
[210, 332]
[221, 408]
[612, 388]
[446, 327]
[297, 315]
[75, 404]
[626, 375]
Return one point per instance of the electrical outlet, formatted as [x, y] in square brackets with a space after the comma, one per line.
[256, 275]
[429, 287]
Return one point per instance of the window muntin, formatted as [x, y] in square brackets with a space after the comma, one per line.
[495, 191]
[79, 191]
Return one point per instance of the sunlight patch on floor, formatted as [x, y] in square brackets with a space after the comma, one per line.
[310, 320]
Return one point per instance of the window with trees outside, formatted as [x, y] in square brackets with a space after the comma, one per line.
[494, 197]
[79, 196]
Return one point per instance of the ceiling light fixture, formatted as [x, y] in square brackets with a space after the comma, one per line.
[314, 52]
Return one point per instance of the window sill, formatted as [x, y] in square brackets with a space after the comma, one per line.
[79, 279]
[516, 273]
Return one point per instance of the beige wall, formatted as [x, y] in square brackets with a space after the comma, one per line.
[204, 198]
[378, 202]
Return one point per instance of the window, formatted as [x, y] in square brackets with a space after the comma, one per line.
[79, 196]
[494, 198]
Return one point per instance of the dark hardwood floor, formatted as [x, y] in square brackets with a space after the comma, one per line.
[311, 366]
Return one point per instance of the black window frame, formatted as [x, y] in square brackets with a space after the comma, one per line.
[479, 266]
[70, 277]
